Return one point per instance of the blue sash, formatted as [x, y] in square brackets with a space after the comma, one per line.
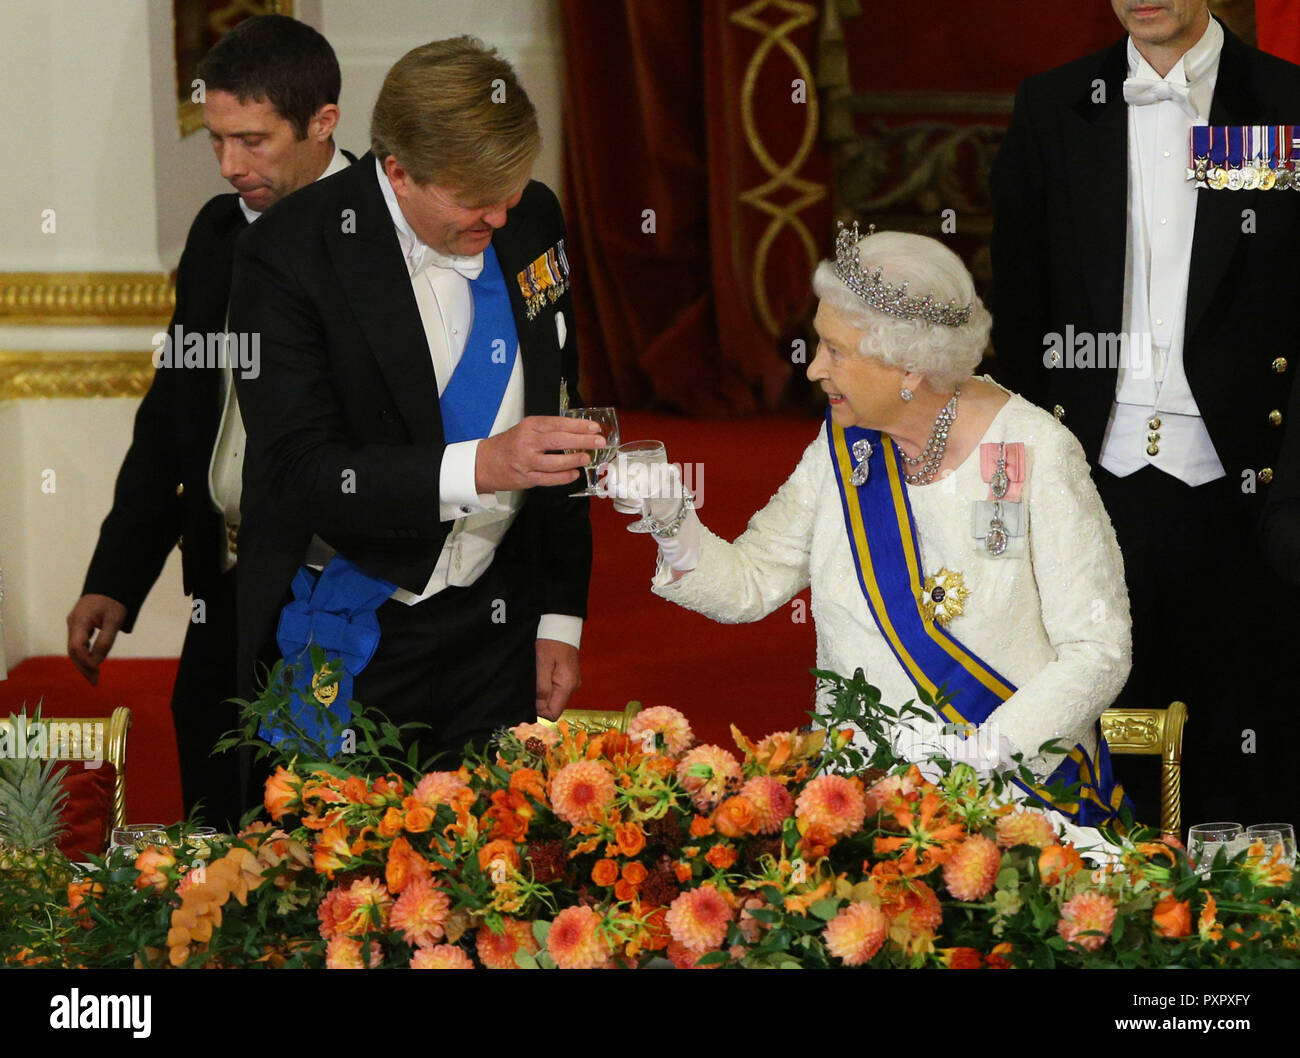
[472, 397]
[335, 609]
[887, 557]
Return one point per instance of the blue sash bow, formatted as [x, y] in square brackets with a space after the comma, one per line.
[335, 609]
[887, 557]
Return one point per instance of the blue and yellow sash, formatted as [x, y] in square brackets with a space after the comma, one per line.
[887, 556]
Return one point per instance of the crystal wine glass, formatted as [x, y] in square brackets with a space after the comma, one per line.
[639, 459]
[132, 839]
[1273, 834]
[1205, 839]
[607, 419]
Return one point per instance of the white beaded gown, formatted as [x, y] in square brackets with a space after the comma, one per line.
[1050, 614]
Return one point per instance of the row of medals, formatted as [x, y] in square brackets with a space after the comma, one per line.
[1247, 178]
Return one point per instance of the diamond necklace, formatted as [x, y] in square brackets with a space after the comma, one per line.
[932, 454]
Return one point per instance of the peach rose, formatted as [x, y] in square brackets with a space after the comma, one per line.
[736, 817]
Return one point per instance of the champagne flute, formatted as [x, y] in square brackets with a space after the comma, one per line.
[607, 419]
[644, 456]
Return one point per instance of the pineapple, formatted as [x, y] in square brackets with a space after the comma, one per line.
[31, 803]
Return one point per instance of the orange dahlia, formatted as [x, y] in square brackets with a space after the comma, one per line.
[441, 957]
[496, 951]
[371, 904]
[582, 792]
[969, 873]
[666, 722]
[891, 786]
[855, 934]
[575, 941]
[1090, 913]
[421, 913]
[834, 802]
[772, 803]
[1025, 827]
[705, 772]
[545, 734]
[334, 909]
[344, 953]
[698, 918]
[438, 788]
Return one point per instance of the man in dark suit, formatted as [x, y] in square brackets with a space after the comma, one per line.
[271, 95]
[367, 291]
[1102, 244]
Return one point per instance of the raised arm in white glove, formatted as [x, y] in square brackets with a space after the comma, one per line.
[658, 487]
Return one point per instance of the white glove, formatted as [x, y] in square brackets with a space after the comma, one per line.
[657, 487]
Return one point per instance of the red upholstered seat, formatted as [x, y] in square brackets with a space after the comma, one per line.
[88, 810]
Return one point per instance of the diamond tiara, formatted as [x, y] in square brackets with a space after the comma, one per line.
[880, 295]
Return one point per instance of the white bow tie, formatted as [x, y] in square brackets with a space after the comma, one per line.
[420, 257]
[1140, 91]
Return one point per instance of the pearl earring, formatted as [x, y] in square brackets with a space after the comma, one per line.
[905, 393]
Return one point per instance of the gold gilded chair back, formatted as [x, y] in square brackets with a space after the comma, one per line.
[1153, 733]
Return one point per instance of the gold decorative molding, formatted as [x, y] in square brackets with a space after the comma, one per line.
[27, 375]
[87, 298]
[780, 176]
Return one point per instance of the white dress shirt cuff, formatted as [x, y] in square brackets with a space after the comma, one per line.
[562, 627]
[456, 493]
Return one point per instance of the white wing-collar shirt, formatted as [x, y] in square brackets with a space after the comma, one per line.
[1152, 384]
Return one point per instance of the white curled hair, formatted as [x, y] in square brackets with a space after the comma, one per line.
[945, 355]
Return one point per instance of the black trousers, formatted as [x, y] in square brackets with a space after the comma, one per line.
[201, 713]
[463, 661]
[1211, 628]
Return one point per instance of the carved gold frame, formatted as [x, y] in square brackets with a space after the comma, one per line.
[189, 114]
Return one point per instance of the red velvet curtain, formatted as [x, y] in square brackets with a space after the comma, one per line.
[1277, 23]
[654, 92]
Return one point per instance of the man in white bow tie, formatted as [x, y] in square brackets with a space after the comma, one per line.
[1156, 320]
[416, 353]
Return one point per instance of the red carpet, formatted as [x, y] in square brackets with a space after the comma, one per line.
[635, 645]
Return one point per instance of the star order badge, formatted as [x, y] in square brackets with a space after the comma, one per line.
[944, 596]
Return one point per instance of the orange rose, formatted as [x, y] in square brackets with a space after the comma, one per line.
[417, 819]
[1057, 862]
[498, 850]
[1172, 918]
[683, 871]
[283, 793]
[605, 872]
[151, 864]
[630, 838]
[634, 873]
[391, 825]
[701, 827]
[721, 856]
[736, 817]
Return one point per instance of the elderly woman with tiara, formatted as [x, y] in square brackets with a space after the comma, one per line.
[949, 529]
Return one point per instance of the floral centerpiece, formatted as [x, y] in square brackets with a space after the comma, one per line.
[574, 848]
